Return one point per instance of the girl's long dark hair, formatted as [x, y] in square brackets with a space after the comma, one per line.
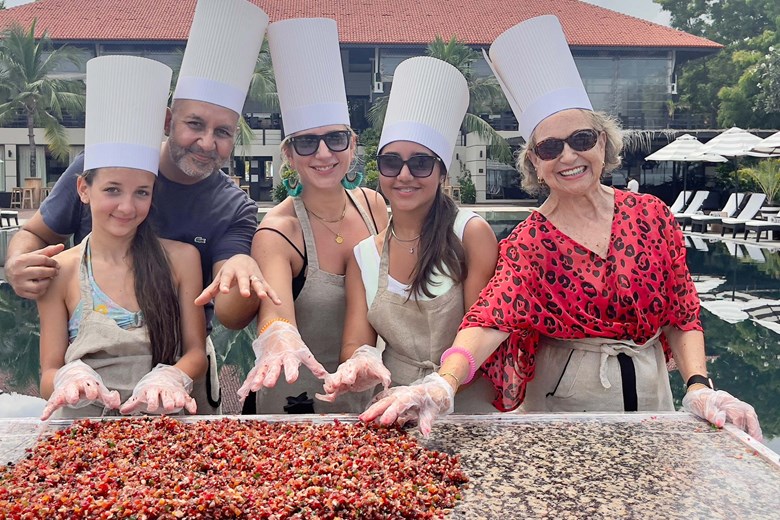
[154, 290]
[440, 248]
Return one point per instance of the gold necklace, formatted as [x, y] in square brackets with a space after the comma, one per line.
[407, 240]
[337, 234]
[331, 221]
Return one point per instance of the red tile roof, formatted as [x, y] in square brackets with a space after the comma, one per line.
[377, 22]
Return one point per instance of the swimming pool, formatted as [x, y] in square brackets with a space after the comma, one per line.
[739, 286]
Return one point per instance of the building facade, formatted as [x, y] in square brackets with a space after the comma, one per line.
[628, 67]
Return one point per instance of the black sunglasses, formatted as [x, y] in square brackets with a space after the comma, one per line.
[580, 140]
[335, 141]
[390, 165]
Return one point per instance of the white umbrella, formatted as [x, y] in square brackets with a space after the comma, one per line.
[770, 145]
[734, 142]
[685, 148]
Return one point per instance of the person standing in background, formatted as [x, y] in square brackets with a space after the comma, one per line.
[633, 184]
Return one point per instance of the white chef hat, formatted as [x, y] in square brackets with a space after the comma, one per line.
[224, 41]
[428, 100]
[309, 78]
[536, 71]
[125, 118]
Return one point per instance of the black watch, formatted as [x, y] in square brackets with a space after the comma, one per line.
[699, 379]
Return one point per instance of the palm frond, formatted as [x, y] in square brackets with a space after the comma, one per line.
[244, 137]
[498, 147]
[262, 87]
[376, 114]
[56, 137]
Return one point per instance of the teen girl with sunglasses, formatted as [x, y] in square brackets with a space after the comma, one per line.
[305, 242]
[591, 294]
[412, 283]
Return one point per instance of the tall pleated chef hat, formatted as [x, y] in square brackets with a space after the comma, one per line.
[428, 100]
[309, 77]
[222, 48]
[125, 117]
[534, 66]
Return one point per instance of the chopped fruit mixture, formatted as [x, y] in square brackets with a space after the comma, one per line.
[162, 468]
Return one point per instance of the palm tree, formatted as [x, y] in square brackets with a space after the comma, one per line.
[262, 88]
[28, 83]
[484, 94]
[767, 175]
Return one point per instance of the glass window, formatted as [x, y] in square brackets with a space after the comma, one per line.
[634, 89]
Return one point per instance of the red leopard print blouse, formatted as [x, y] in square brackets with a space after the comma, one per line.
[546, 283]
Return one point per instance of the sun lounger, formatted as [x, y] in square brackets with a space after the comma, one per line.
[702, 221]
[755, 253]
[762, 226]
[751, 209]
[680, 202]
[696, 202]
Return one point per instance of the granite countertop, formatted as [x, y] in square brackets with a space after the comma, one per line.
[582, 466]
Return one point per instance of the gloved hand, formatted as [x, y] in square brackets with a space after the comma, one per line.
[280, 345]
[719, 407]
[165, 384]
[362, 371]
[423, 401]
[76, 385]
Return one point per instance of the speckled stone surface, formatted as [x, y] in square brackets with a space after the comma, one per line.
[581, 467]
[606, 468]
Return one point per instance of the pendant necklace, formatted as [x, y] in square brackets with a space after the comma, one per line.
[337, 234]
[411, 248]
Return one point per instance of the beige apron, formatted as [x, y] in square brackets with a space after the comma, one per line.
[319, 313]
[418, 332]
[584, 375]
[120, 356]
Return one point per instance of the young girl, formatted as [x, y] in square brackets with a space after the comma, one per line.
[118, 324]
[412, 283]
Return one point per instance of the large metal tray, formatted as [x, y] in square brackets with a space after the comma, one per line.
[573, 466]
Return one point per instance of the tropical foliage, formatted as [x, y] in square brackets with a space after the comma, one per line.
[766, 174]
[740, 85]
[30, 87]
[484, 92]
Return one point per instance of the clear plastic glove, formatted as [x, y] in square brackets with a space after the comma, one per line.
[719, 407]
[166, 385]
[77, 385]
[423, 401]
[362, 371]
[280, 345]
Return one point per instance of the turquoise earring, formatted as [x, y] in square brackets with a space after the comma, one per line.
[293, 184]
[354, 182]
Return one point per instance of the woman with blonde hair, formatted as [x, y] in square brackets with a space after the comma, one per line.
[304, 243]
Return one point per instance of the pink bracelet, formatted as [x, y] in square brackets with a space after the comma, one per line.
[462, 351]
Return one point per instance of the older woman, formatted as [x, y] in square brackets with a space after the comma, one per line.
[303, 244]
[413, 282]
[592, 289]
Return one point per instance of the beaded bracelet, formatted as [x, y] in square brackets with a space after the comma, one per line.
[269, 322]
[462, 351]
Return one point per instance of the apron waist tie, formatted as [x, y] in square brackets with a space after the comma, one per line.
[425, 365]
[624, 351]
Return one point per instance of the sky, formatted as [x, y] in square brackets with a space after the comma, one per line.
[646, 9]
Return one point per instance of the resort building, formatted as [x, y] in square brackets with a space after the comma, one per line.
[628, 66]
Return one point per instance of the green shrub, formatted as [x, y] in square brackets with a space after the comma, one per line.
[468, 192]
